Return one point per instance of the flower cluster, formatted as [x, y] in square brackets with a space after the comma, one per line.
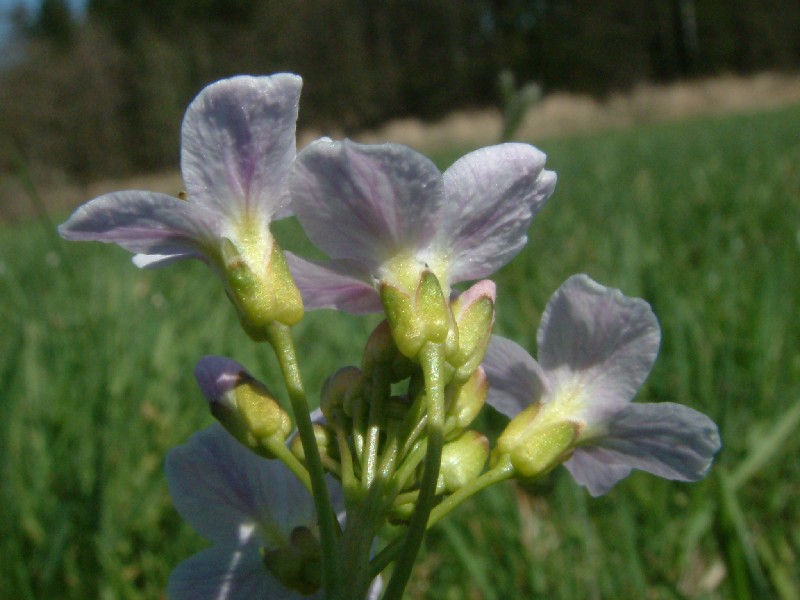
[297, 504]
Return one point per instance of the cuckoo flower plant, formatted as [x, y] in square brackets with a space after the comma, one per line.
[237, 145]
[385, 213]
[596, 348]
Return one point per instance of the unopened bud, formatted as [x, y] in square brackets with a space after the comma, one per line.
[242, 404]
[462, 461]
[381, 352]
[339, 392]
[324, 439]
[467, 404]
[473, 312]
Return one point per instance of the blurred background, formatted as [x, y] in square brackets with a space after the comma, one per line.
[674, 126]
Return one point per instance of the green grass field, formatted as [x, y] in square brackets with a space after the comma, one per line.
[700, 218]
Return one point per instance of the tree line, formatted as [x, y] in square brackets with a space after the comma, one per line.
[102, 93]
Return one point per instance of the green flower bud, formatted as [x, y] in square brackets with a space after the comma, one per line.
[536, 444]
[325, 443]
[473, 312]
[381, 352]
[462, 461]
[261, 288]
[251, 414]
[467, 404]
[339, 393]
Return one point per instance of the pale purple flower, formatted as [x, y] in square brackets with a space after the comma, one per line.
[596, 348]
[384, 213]
[237, 145]
[242, 503]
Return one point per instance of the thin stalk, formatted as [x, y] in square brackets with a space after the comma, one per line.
[282, 453]
[432, 360]
[279, 337]
[378, 393]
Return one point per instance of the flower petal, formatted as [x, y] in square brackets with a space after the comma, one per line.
[331, 285]
[492, 195]
[666, 439]
[146, 223]
[227, 573]
[217, 375]
[366, 203]
[238, 143]
[515, 380]
[597, 339]
[226, 492]
[596, 470]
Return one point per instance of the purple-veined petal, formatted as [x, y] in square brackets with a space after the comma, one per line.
[238, 143]
[515, 379]
[331, 285]
[666, 439]
[146, 223]
[598, 341]
[229, 494]
[366, 203]
[596, 469]
[491, 195]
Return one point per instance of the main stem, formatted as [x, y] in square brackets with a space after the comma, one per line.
[431, 359]
[280, 339]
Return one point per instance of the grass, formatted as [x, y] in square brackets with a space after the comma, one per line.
[700, 218]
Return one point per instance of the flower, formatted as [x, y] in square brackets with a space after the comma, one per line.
[596, 348]
[384, 213]
[248, 507]
[237, 145]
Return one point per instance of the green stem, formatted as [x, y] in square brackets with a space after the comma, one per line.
[282, 453]
[378, 393]
[432, 360]
[500, 472]
[279, 337]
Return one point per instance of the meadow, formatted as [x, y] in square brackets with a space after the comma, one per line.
[701, 218]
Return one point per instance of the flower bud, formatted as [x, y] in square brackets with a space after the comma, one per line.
[324, 439]
[381, 352]
[536, 443]
[467, 404]
[418, 317]
[250, 413]
[339, 392]
[462, 461]
[473, 312]
[260, 286]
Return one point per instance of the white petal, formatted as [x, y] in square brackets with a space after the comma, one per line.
[515, 380]
[227, 573]
[366, 203]
[238, 143]
[491, 195]
[599, 343]
[146, 223]
[332, 285]
[227, 492]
